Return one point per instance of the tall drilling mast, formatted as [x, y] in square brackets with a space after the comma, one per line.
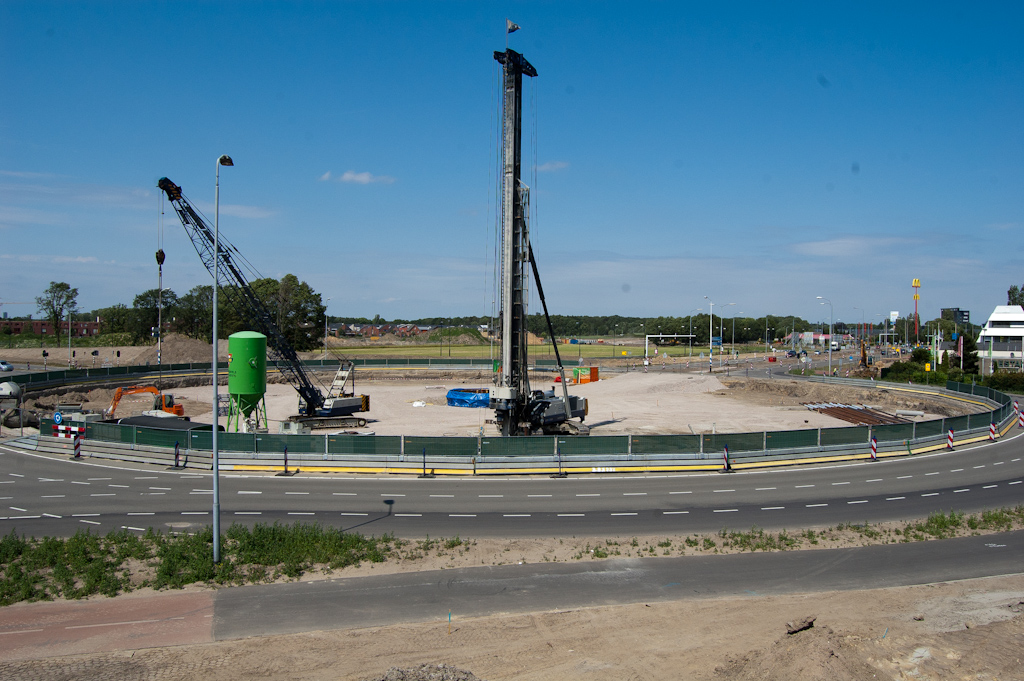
[518, 410]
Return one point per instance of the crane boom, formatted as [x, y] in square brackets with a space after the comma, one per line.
[245, 301]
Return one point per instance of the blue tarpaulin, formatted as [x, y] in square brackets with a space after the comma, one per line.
[472, 397]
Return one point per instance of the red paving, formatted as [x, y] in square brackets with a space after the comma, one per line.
[35, 630]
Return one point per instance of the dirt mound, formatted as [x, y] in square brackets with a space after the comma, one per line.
[811, 655]
[178, 349]
[427, 672]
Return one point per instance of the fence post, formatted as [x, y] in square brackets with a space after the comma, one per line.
[701, 436]
[819, 438]
[764, 441]
[629, 445]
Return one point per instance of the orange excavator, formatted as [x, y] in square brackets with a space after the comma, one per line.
[161, 401]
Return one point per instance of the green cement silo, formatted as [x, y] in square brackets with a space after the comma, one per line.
[247, 380]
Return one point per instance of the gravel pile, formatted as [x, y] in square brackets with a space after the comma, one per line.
[427, 672]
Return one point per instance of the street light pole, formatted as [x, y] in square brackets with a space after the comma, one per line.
[690, 317]
[325, 327]
[711, 332]
[830, 312]
[221, 161]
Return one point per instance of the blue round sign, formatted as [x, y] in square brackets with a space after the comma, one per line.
[57, 418]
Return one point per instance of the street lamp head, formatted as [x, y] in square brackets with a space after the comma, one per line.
[225, 160]
[819, 297]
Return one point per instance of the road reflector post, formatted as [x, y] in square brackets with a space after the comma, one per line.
[286, 472]
[726, 466]
[949, 439]
[424, 474]
[177, 453]
[992, 431]
[1020, 420]
[78, 446]
[874, 449]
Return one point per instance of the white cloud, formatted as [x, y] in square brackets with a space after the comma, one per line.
[323, 178]
[365, 178]
[845, 247]
[24, 174]
[552, 166]
[81, 259]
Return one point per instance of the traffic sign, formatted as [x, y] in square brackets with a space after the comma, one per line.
[58, 418]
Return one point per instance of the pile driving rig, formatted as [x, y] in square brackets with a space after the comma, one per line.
[519, 410]
[316, 409]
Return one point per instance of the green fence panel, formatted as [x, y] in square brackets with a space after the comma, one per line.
[957, 423]
[440, 446]
[895, 432]
[791, 439]
[980, 420]
[369, 445]
[540, 445]
[46, 426]
[599, 445]
[736, 442]
[201, 439]
[236, 442]
[158, 438]
[422, 362]
[296, 444]
[109, 432]
[844, 436]
[929, 428]
[666, 444]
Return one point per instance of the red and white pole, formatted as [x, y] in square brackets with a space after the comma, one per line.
[1016, 407]
[726, 467]
[992, 431]
[1020, 419]
[874, 449]
[78, 446]
[949, 439]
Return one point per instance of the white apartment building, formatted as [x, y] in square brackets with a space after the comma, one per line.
[1000, 341]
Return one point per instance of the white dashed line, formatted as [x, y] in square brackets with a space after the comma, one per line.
[935, 473]
[726, 510]
[341, 494]
[627, 494]
[537, 496]
[997, 463]
[485, 496]
[27, 631]
[112, 494]
[50, 515]
[23, 510]
[687, 492]
[126, 486]
[211, 408]
[149, 477]
[674, 512]
[797, 487]
[112, 478]
[833, 484]
[462, 515]
[862, 501]
[246, 491]
[438, 496]
[93, 515]
[894, 498]
[571, 515]
[815, 505]
[579, 495]
[19, 475]
[985, 487]
[251, 513]
[965, 489]
[871, 480]
[931, 494]
[150, 512]
[78, 482]
[763, 489]
[903, 477]
[93, 522]
[957, 470]
[513, 515]
[139, 529]
[293, 512]
[1015, 482]
[168, 489]
[61, 496]
[724, 490]
[406, 515]
[383, 495]
[772, 508]
[114, 624]
[623, 514]
[981, 466]
[211, 411]
[196, 512]
[210, 492]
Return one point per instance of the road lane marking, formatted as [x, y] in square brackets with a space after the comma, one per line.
[78, 482]
[1016, 482]
[957, 470]
[674, 512]
[195, 513]
[588, 495]
[462, 515]
[21, 631]
[894, 498]
[490, 496]
[725, 490]
[23, 510]
[107, 494]
[53, 496]
[772, 508]
[286, 492]
[623, 514]
[350, 513]
[862, 501]
[726, 510]
[147, 477]
[989, 486]
[903, 477]
[92, 522]
[816, 505]
[571, 515]
[122, 486]
[145, 512]
[88, 515]
[802, 486]
[387, 495]
[634, 494]
[303, 512]
[687, 492]
[532, 496]
[874, 480]
[344, 494]
[253, 513]
[408, 515]
[128, 527]
[965, 489]
[248, 491]
[998, 463]
[19, 475]
[981, 466]
[99, 478]
[111, 624]
[931, 494]
[165, 489]
[443, 496]
[840, 483]
[935, 473]
[763, 489]
[51, 479]
[516, 515]
[50, 515]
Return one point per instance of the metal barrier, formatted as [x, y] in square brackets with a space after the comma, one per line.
[601, 453]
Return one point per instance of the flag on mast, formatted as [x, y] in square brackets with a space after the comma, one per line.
[510, 27]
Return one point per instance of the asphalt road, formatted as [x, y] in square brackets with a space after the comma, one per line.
[469, 592]
[51, 495]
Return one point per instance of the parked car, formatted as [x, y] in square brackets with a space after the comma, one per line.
[5, 366]
[790, 353]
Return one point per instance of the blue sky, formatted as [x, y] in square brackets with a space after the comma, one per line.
[750, 153]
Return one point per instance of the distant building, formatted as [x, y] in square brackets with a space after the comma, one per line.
[43, 327]
[999, 344]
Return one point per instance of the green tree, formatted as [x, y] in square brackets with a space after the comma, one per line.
[144, 320]
[58, 298]
[294, 307]
[970, 354]
[193, 314]
[1015, 296]
[114, 319]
